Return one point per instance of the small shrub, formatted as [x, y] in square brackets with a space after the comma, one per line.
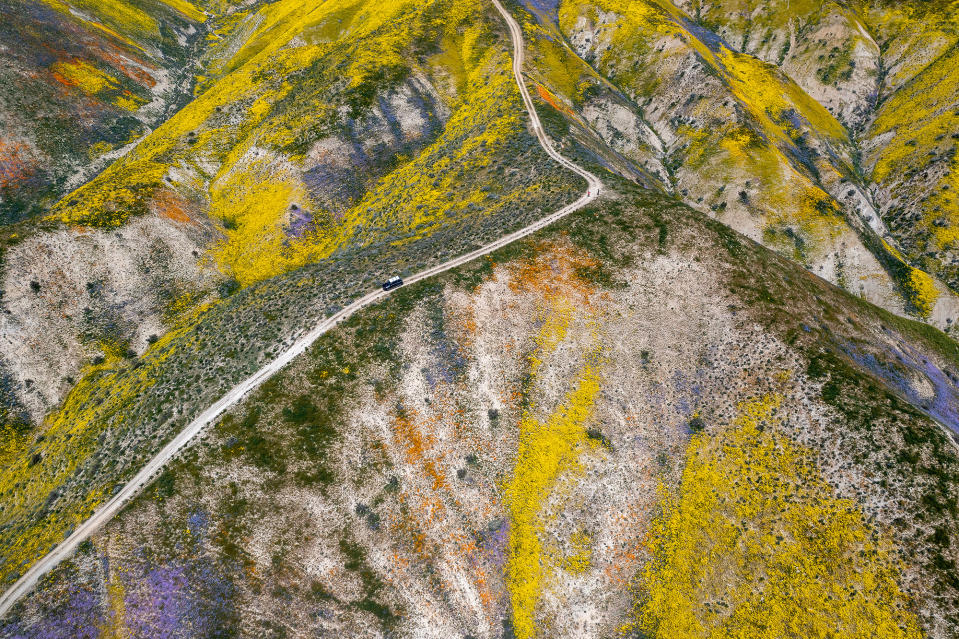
[696, 424]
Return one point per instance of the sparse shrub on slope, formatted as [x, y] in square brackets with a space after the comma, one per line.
[469, 177]
[498, 450]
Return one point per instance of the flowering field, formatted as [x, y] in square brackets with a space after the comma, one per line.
[723, 400]
[599, 431]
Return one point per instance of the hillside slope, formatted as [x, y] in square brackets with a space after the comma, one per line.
[327, 129]
[776, 119]
[545, 443]
[534, 445]
[318, 128]
[887, 70]
[142, 344]
[81, 81]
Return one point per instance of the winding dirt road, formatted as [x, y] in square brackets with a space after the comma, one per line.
[106, 512]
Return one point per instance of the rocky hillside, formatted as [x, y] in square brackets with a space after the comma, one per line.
[81, 82]
[547, 443]
[799, 124]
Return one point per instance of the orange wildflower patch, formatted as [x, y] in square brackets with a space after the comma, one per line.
[630, 527]
[552, 100]
[136, 72]
[416, 446]
[62, 80]
[554, 272]
[467, 327]
[171, 205]
[15, 163]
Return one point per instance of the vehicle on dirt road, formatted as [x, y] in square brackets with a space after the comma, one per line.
[394, 282]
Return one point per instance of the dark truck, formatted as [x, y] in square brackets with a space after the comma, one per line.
[393, 282]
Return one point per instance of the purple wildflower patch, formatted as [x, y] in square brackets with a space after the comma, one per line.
[944, 403]
[72, 611]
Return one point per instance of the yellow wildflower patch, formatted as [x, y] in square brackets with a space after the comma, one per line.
[946, 203]
[84, 76]
[547, 449]
[557, 318]
[98, 148]
[255, 205]
[916, 117]
[129, 101]
[770, 96]
[922, 292]
[119, 15]
[186, 9]
[577, 562]
[430, 185]
[755, 543]
[116, 626]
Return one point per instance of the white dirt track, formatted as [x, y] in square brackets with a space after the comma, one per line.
[107, 511]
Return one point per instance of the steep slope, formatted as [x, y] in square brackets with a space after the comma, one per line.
[81, 82]
[533, 445]
[911, 151]
[887, 71]
[312, 123]
[692, 97]
[330, 128]
[477, 174]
